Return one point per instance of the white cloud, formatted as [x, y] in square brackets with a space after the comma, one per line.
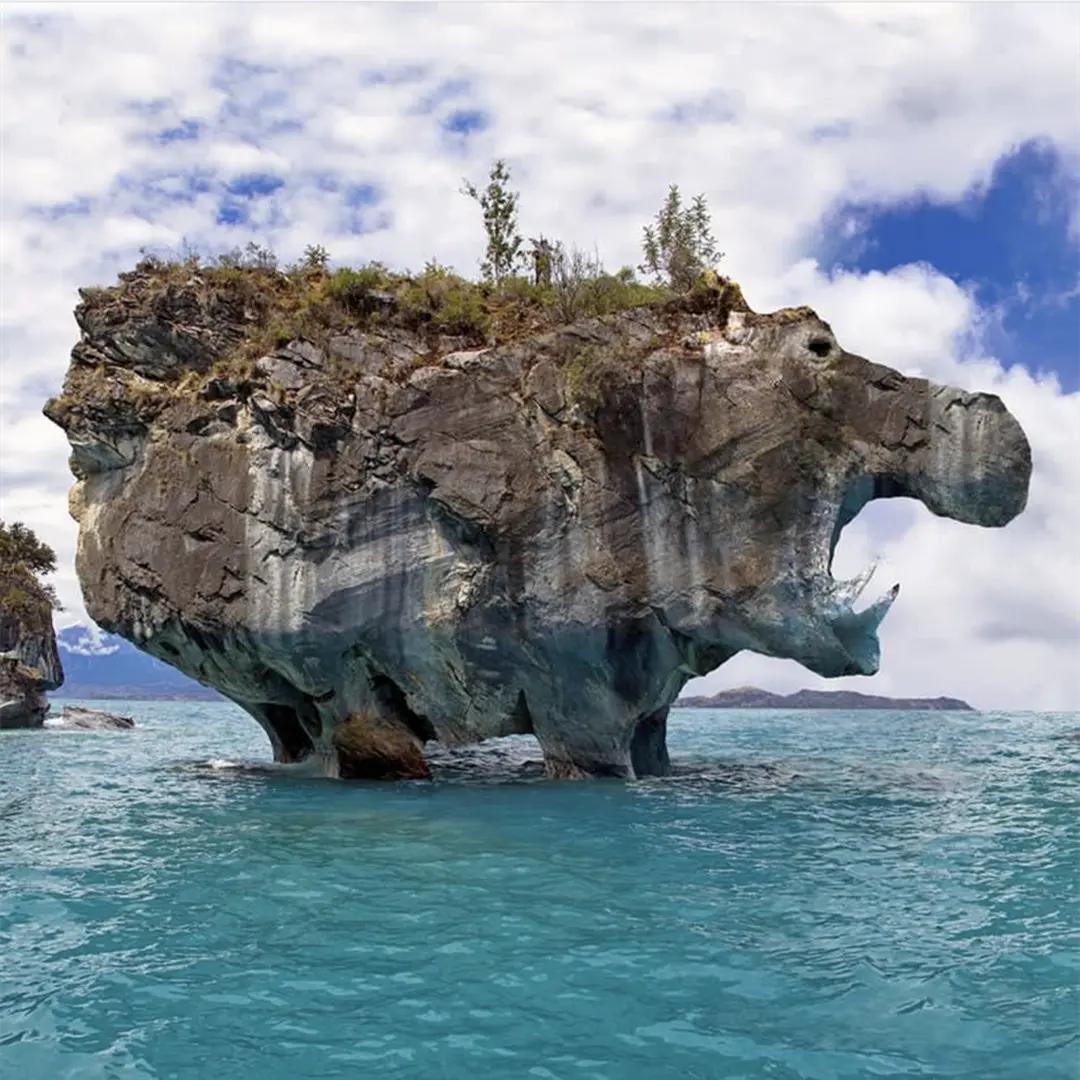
[90, 642]
[778, 115]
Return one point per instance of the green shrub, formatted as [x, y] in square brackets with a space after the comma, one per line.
[351, 288]
[581, 287]
[518, 289]
[608, 294]
[443, 301]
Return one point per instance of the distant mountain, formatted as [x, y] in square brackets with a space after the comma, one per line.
[751, 697]
[100, 665]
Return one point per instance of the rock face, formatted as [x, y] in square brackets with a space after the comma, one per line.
[29, 661]
[389, 538]
[750, 697]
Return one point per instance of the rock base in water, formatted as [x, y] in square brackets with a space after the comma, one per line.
[22, 703]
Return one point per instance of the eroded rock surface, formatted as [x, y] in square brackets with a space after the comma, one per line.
[385, 539]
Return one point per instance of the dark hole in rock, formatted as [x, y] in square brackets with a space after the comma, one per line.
[819, 346]
[294, 743]
[520, 720]
[391, 699]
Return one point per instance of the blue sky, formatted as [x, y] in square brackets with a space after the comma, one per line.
[911, 171]
[1008, 238]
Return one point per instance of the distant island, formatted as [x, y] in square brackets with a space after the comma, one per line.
[751, 697]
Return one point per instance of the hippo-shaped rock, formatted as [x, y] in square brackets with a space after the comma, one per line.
[376, 540]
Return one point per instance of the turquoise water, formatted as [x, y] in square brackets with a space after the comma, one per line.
[815, 895]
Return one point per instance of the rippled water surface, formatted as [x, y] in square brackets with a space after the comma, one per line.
[814, 895]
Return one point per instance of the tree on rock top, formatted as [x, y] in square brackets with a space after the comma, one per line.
[499, 206]
[18, 544]
[679, 245]
[23, 560]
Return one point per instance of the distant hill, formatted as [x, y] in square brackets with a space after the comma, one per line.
[751, 697]
[100, 665]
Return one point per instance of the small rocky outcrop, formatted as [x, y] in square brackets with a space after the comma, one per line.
[76, 718]
[29, 660]
[384, 536]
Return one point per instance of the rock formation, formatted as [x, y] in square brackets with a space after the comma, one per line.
[76, 718]
[29, 661]
[389, 536]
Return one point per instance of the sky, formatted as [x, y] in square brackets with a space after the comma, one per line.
[910, 171]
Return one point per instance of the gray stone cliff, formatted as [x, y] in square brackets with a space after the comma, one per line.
[387, 538]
